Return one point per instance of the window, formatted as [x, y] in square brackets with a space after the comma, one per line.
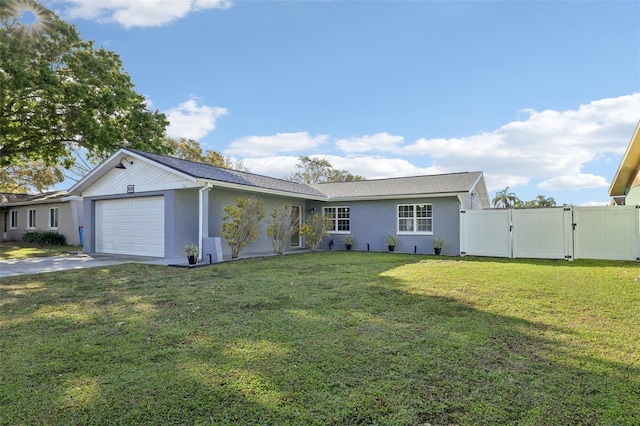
[340, 217]
[415, 218]
[14, 219]
[53, 218]
[31, 223]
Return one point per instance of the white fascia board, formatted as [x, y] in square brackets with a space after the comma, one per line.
[257, 189]
[395, 196]
[71, 198]
[35, 202]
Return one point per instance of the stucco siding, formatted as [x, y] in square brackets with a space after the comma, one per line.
[633, 193]
[633, 196]
[67, 224]
[182, 221]
[372, 221]
[218, 198]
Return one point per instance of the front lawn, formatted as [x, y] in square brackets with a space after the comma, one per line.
[336, 338]
[21, 250]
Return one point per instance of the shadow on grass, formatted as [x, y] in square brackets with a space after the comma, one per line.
[279, 342]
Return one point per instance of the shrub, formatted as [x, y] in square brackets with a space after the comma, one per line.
[281, 226]
[44, 238]
[242, 228]
[316, 228]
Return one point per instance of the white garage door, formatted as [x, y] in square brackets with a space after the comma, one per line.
[130, 226]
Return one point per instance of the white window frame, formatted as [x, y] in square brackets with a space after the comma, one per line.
[336, 218]
[31, 219]
[414, 218]
[53, 217]
[13, 219]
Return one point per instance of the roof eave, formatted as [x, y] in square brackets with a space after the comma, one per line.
[628, 166]
[35, 202]
[236, 186]
[397, 196]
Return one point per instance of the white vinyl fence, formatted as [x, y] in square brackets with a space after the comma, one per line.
[607, 232]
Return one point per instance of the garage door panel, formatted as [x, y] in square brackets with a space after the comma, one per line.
[131, 226]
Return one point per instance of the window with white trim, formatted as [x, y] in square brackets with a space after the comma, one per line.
[31, 222]
[340, 218]
[415, 218]
[53, 218]
[13, 223]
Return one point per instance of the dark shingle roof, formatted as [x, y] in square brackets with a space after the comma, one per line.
[17, 199]
[209, 172]
[451, 183]
[402, 186]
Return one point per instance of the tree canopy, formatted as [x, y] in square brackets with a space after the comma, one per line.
[59, 93]
[189, 149]
[319, 170]
[20, 178]
[506, 199]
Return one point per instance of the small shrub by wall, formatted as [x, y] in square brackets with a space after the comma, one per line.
[44, 238]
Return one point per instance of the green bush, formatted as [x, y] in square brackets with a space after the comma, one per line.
[44, 238]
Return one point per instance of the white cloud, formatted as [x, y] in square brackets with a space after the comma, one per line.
[500, 181]
[551, 145]
[595, 203]
[370, 167]
[277, 166]
[139, 13]
[545, 151]
[378, 167]
[192, 121]
[579, 181]
[258, 146]
[377, 142]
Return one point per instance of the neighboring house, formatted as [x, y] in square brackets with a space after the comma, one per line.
[147, 204]
[49, 211]
[626, 182]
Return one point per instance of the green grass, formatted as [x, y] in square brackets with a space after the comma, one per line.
[21, 250]
[337, 338]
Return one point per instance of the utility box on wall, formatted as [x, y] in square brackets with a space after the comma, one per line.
[211, 250]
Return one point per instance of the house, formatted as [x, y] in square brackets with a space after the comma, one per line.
[626, 182]
[49, 211]
[147, 204]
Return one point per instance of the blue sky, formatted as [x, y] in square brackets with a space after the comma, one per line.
[541, 96]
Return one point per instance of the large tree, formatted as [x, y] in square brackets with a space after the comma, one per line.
[189, 149]
[59, 94]
[22, 178]
[319, 170]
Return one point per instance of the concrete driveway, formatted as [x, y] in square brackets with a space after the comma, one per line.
[36, 265]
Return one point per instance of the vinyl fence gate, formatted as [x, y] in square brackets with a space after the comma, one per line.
[605, 232]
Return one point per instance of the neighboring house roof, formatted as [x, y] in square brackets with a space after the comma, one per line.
[628, 168]
[213, 173]
[444, 184]
[7, 200]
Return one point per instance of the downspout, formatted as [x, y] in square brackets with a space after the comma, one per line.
[201, 203]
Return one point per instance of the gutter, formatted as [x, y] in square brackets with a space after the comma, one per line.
[201, 195]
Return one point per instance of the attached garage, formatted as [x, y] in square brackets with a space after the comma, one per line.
[132, 226]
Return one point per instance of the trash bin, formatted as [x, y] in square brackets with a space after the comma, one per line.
[81, 232]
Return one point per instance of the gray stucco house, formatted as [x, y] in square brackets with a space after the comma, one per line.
[48, 211]
[141, 203]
